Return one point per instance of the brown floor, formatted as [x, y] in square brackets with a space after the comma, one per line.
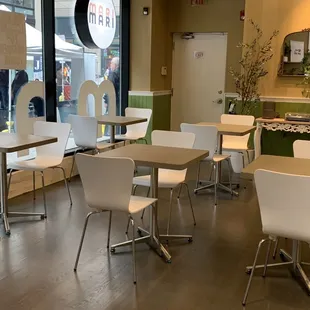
[36, 262]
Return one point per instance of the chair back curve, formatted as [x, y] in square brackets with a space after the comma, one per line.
[301, 149]
[284, 204]
[173, 139]
[138, 130]
[84, 130]
[206, 137]
[50, 129]
[107, 182]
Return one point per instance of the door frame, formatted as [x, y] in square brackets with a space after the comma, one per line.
[225, 34]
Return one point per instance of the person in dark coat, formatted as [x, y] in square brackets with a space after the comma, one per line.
[21, 78]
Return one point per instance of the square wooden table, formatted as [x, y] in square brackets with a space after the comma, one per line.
[113, 121]
[228, 130]
[9, 143]
[157, 157]
[289, 165]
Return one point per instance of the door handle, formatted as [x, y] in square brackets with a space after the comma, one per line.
[218, 101]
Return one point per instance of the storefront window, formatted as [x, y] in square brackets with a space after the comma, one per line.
[75, 63]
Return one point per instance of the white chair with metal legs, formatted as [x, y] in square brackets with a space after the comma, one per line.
[137, 131]
[107, 184]
[301, 149]
[48, 156]
[84, 130]
[171, 179]
[206, 139]
[284, 207]
[235, 143]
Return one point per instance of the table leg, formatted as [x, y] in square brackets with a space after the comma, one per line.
[4, 193]
[112, 134]
[257, 140]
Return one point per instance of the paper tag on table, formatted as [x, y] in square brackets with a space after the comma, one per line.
[13, 49]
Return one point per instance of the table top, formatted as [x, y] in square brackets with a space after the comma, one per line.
[290, 165]
[279, 121]
[12, 142]
[231, 129]
[158, 156]
[119, 120]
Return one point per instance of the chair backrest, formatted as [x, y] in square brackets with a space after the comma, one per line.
[84, 129]
[284, 204]
[107, 182]
[301, 149]
[173, 139]
[247, 120]
[50, 129]
[206, 137]
[141, 128]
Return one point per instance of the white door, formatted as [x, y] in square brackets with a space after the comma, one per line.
[198, 78]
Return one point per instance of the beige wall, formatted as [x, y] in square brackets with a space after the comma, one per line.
[287, 16]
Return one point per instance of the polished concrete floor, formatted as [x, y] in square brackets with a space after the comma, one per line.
[36, 262]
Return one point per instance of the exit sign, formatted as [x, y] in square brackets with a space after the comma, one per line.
[197, 2]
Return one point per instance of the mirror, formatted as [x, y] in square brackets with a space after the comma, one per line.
[295, 57]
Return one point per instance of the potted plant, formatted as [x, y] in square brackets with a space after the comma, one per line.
[287, 52]
[255, 55]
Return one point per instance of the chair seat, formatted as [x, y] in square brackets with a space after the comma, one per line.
[166, 179]
[132, 137]
[217, 158]
[138, 203]
[234, 146]
[36, 164]
[102, 145]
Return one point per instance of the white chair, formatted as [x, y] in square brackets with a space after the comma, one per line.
[206, 139]
[137, 131]
[234, 143]
[84, 130]
[48, 156]
[107, 184]
[169, 178]
[284, 207]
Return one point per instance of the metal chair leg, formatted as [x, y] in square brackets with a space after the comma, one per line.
[229, 175]
[170, 210]
[43, 191]
[190, 202]
[267, 258]
[73, 162]
[9, 182]
[275, 249]
[216, 171]
[82, 239]
[252, 271]
[34, 184]
[66, 184]
[134, 190]
[147, 195]
[198, 175]
[109, 231]
[180, 190]
[133, 251]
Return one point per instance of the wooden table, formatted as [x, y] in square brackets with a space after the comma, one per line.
[277, 124]
[9, 143]
[228, 130]
[289, 165]
[157, 157]
[113, 121]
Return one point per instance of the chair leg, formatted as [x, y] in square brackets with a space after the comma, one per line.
[252, 271]
[133, 251]
[170, 209]
[82, 239]
[9, 182]
[73, 162]
[275, 249]
[180, 190]
[216, 171]
[109, 231]
[267, 258]
[43, 191]
[229, 174]
[147, 195]
[34, 184]
[66, 184]
[190, 202]
[134, 190]
[198, 175]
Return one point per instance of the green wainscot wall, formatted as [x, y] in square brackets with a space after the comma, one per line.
[161, 107]
[278, 142]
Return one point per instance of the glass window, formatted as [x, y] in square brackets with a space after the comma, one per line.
[23, 11]
[75, 64]
[12, 81]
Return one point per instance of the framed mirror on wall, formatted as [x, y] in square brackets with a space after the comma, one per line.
[295, 56]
